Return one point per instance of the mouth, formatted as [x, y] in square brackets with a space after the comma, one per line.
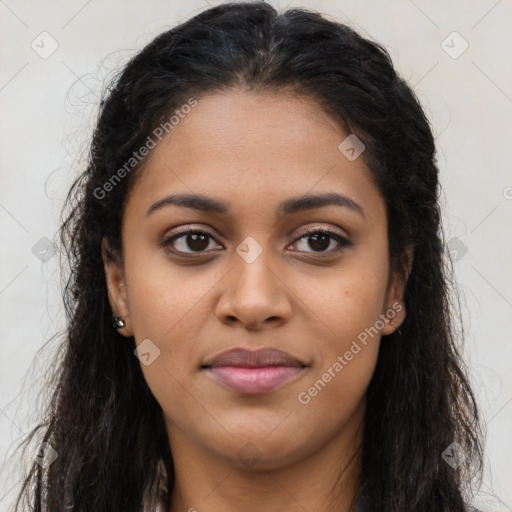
[254, 371]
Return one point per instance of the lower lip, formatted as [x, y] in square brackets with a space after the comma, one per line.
[254, 380]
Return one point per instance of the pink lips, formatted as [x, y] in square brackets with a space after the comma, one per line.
[253, 372]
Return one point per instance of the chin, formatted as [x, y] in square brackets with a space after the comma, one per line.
[264, 450]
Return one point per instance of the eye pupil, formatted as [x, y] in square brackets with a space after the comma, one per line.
[319, 246]
[197, 241]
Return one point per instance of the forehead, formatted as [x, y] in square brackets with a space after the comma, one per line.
[257, 148]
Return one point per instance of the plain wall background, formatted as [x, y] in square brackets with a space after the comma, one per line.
[47, 113]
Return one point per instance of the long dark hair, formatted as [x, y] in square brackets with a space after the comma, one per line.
[103, 421]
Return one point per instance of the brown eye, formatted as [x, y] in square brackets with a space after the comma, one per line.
[319, 240]
[189, 242]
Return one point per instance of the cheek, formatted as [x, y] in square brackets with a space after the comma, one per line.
[170, 306]
[162, 296]
[347, 348]
[349, 344]
[347, 309]
[347, 302]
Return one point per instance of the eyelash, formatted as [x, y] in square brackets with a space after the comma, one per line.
[342, 241]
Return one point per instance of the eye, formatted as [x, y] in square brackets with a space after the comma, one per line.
[194, 239]
[321, 239]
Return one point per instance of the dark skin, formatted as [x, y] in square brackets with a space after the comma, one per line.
[253, 151]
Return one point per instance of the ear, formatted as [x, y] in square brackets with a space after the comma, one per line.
[116, 287]
[394, 309]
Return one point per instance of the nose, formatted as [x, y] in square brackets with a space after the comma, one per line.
[254, 295]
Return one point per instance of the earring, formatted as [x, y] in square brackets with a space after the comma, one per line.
[117, 322]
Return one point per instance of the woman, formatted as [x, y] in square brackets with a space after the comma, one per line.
[259, 306]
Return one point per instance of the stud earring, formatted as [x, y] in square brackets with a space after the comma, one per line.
[118, 322]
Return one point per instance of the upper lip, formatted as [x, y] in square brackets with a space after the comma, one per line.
[259, 358]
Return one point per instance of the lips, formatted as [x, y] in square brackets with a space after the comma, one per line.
[254, 371]
[243, 358]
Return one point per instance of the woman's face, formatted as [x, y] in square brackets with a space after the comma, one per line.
[253, 278]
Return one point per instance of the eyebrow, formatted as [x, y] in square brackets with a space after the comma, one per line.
[287, 207]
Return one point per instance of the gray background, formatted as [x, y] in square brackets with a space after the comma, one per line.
[48, 104]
